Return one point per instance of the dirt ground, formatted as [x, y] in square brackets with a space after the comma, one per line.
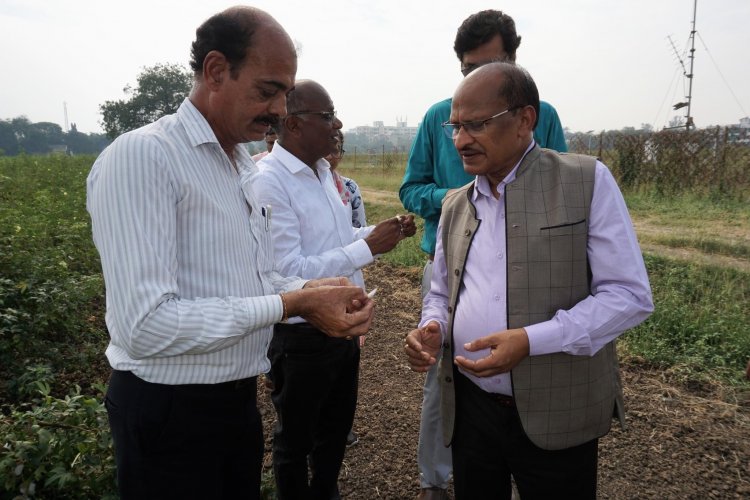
[680, 443]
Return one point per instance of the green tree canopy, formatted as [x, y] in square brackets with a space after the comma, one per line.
[160, 91]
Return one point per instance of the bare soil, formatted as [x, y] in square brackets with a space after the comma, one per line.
[681, 443]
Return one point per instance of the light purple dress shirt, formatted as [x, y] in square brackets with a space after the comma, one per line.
[620, 292]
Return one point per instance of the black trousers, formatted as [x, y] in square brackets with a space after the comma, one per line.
[490, 445]
[315, 396]
[185, 441]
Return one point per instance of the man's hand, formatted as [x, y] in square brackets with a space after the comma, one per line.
[340, 311]
[423, 346]
[507, 349]
[388, 233]
[339, 281]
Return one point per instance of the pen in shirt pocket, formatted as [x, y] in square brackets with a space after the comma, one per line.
[266, 211]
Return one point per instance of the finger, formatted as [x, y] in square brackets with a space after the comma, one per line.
[480, 368]
[413, 343]
[477, 345]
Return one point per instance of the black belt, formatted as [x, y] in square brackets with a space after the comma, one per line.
[230, 386]
[500, 399]
[297, 328]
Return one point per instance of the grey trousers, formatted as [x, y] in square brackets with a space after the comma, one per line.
[433, 457]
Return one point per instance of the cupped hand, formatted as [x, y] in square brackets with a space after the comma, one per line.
[507, 349]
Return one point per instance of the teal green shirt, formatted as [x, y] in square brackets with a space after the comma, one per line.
[434, 166]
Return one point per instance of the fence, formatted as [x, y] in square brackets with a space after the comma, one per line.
[713, 161]
[707, 161]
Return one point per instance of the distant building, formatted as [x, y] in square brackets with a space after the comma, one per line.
[739, 134]
[377, 135]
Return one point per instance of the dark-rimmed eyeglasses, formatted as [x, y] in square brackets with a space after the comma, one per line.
[328, 116]
[473, 128]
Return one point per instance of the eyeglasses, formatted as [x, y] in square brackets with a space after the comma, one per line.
[328, 116]
[474, 128]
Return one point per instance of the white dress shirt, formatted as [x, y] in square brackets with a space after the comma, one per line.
[186, 255]
[312, 230]
[620, 293]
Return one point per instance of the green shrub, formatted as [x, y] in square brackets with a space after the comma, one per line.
[58, 448]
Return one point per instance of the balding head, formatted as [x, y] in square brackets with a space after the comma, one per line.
[510, 83]
[310, 130]
[232, 32]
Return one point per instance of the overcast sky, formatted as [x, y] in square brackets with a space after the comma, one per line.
[604, 64]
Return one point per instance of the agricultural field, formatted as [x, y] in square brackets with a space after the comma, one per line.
[688, 402]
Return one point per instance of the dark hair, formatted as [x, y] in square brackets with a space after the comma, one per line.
[480, 28]
[228, 32]
[518, 88]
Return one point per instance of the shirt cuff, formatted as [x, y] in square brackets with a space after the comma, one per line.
[544, 338]
[359, 253]
[443, 327]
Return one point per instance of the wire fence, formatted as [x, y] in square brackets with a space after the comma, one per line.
[714, 161]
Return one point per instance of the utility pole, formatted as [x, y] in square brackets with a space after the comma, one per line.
[689, 120]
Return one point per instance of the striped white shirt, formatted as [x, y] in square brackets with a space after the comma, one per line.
[186, 254]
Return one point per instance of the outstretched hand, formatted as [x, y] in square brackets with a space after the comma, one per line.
[423, 346]
[507, 349]
[386, 235]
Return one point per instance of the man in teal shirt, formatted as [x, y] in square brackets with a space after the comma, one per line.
[434, 168]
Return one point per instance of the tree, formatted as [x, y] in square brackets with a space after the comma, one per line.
[8, 140]
[160, 91]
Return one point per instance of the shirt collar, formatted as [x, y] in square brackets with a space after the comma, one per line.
[482, 185]
[196, 126]
[294, 164]
[199, 132]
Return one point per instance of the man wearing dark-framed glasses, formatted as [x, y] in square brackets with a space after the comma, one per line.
[537, 271]
[433, 169]
[314, 377]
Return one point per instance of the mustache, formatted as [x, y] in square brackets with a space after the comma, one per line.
[268, 120]
[468, 150]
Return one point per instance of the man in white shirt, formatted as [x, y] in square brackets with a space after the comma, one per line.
[187, 258]
[314, 376]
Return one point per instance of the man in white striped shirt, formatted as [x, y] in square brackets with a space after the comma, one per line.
[187, 257]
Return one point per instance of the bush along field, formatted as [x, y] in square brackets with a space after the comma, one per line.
[55, 437]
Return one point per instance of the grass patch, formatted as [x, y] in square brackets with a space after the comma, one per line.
[700, 328]
[710, 246]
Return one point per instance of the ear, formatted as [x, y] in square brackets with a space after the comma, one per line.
[528, 118]
[291, 124]
[215, 69]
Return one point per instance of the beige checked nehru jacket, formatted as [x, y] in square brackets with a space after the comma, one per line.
[562, 400]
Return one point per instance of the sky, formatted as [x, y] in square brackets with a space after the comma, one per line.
[603, 64]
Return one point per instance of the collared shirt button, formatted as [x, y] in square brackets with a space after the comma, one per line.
[499, 255]
[496, 297]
